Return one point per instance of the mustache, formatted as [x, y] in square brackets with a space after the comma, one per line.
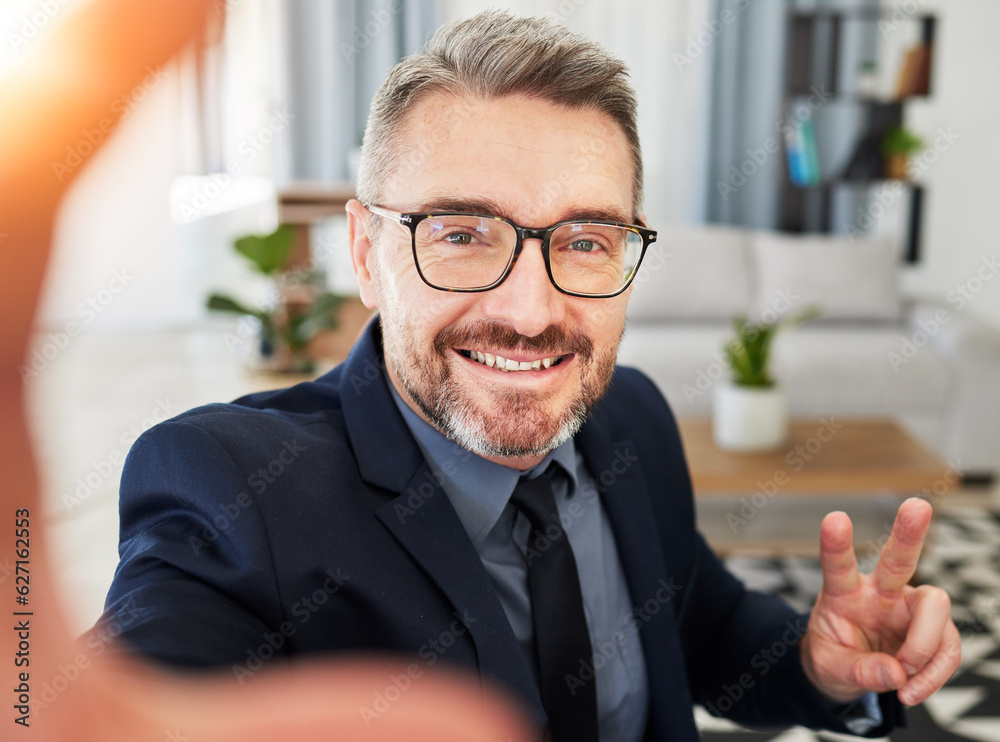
[554, 340]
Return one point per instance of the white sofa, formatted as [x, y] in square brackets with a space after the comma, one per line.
[931, 366]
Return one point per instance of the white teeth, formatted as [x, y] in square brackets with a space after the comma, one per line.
[506, 364]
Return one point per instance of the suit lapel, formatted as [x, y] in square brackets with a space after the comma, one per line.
[422, 519]
[433, 535]
[653, 586]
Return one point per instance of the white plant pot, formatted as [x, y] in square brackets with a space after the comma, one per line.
[749, 418]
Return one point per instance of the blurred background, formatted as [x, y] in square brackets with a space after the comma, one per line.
[842, 155]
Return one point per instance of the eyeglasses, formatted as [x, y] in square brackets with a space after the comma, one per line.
[476, 252]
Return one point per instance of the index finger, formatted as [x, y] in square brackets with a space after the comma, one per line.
[836, 555]
[899, 557]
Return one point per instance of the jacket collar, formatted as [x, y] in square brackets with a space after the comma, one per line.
[422, 520]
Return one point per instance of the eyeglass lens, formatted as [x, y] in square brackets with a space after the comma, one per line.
[468, 252]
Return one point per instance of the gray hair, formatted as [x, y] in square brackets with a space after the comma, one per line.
[492, 55]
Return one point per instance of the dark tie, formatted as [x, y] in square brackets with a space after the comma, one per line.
[562, 641]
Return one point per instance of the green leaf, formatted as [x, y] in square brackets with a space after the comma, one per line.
[268, 253]
[322, 315]
[220, 303]
[749, 353]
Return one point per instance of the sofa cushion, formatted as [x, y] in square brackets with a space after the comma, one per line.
[692, 273]
[827, 369]
[849, 280]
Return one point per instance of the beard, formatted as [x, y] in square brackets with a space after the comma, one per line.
[509, 422]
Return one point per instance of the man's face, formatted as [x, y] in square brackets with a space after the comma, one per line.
[535, 163]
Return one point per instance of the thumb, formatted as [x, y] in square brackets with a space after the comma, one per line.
[876, 671]
[843, 673]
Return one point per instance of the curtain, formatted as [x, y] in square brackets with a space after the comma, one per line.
[337, 55]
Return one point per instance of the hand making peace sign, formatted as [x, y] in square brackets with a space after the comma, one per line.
[877, 632]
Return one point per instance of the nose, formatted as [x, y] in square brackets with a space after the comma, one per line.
[527, 300]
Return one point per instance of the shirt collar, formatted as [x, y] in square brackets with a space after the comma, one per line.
[478, 489]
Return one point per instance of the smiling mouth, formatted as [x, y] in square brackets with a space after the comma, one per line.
[506, 365]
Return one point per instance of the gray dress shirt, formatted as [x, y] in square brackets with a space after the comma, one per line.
[480, 491]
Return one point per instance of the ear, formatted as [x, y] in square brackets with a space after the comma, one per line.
[359, 243]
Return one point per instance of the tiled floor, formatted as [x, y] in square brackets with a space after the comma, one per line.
[965, 560]
[93, 398]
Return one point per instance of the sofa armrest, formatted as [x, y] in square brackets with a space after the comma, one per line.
[954, 333]
[971, 348]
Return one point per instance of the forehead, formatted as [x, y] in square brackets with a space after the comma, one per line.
[537, 160]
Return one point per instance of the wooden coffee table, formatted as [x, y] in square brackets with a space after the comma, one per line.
[775, 501]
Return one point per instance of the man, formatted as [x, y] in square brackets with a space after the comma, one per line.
[429, 497]
[64, 689]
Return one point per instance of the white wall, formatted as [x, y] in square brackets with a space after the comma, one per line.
[962, 217]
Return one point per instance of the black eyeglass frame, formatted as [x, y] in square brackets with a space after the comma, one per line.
[411, 220]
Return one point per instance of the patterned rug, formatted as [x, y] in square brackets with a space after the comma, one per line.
[964, 559]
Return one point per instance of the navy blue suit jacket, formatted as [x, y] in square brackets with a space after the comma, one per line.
[306, 521]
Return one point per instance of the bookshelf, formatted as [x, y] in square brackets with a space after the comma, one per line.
[822, 54]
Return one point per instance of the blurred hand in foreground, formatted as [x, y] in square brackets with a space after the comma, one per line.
[62, 89]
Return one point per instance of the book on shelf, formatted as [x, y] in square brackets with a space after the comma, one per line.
[914, 76]
[803, 158]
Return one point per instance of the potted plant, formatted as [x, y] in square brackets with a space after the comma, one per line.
[898, 145]
[301, 307]
[751, 412]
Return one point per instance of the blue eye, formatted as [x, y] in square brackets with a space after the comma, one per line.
[583, 245]
[459, 238]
